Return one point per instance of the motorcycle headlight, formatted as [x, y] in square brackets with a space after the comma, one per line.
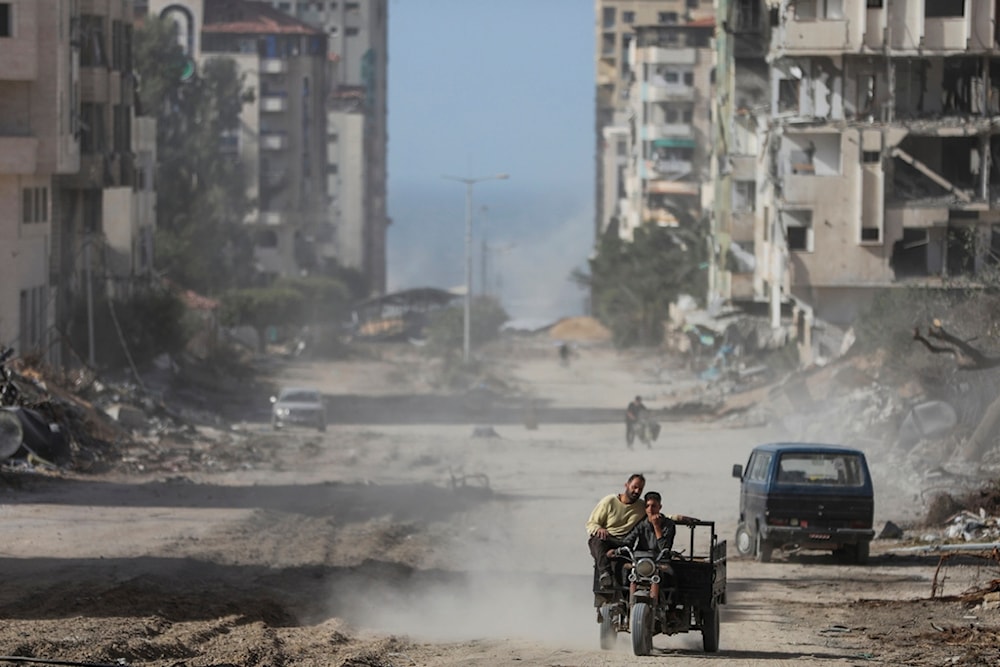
[282, 412]
[645, 567]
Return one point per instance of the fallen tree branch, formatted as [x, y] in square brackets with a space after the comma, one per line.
[967, 358]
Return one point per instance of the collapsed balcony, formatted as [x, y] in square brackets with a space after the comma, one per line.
[952, 171]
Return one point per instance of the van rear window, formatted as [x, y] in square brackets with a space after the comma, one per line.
[821, 469]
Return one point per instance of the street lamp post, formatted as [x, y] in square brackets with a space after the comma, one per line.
[469, 182]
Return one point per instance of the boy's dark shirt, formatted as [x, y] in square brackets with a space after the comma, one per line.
[642, 537]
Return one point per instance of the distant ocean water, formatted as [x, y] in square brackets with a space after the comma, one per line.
[536, 238]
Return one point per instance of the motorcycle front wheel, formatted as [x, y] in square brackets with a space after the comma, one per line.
[608, 632]
[642, 628]
[710, 629]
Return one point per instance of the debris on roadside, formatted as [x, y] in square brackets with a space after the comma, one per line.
[81, 422]
[890, 532]
[484, 432]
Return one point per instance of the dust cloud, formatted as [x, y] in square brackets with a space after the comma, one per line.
[535, 241]
[484, 606]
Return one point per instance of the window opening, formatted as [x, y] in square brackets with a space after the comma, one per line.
[798, 230]
[937, 9]
[788, 95]
[6, 20]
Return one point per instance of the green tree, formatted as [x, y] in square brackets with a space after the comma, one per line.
[633, 283]
[446, 330]
[201, 186]
[289, 303]
[324, 300]
[262, 308]
[151, 321]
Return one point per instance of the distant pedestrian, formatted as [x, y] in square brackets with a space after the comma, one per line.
[564, 354]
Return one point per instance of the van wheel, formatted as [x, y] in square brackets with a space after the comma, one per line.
[744, 541]
[861, 551]
[763, 549]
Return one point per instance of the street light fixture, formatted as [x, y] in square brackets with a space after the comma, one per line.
[469, 182]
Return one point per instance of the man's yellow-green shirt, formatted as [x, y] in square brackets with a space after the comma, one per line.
[616, 516]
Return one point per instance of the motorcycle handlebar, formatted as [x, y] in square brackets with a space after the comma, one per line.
[6, 353]
[626, 552]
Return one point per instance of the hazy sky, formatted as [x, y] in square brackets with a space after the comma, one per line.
[482, 87]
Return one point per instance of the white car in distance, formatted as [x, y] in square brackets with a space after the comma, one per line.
[302, 406]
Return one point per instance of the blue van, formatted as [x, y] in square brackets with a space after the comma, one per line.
[805, 496]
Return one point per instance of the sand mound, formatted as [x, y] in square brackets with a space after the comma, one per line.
[580, 329]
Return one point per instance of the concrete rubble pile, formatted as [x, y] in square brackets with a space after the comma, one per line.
[912, 413]
[124, 425]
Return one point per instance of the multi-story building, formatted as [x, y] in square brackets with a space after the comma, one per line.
[280, 141]
[741, 116]
[357, 136]
[68, 209]
[615, 35]
[669, 148]
[876, 128]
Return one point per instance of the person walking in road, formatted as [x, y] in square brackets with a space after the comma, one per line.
[635, 411]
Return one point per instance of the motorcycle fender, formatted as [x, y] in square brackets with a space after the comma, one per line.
[642, 596]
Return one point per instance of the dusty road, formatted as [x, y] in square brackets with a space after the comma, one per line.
[397, 538]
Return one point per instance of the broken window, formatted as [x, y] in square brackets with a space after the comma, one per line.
[909, 254]
[871, 234]
[802, 161]
[993, 256]
[747, 16]
[937, 9]
[744, 196]
[267, 238]
[92, 50]
[961, 250]
[788, 95]
[805, 10]
[866, 94]
[6, 20]
[809, 10]
[34, 205]
[812, 154]
[798, 229]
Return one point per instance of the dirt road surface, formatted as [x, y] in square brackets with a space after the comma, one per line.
[396, 538]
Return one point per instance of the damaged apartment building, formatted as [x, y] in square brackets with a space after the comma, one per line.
[654, 81]
[854, 141]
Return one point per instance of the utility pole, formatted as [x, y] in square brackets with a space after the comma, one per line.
[91, 357]
[469, 182]
[484, 283]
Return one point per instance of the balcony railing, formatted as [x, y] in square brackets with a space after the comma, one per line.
[668, 167]
[273, 103]
[273, 66]
[272, 218]
[675, 93]
[273, 141]
[664, 130]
